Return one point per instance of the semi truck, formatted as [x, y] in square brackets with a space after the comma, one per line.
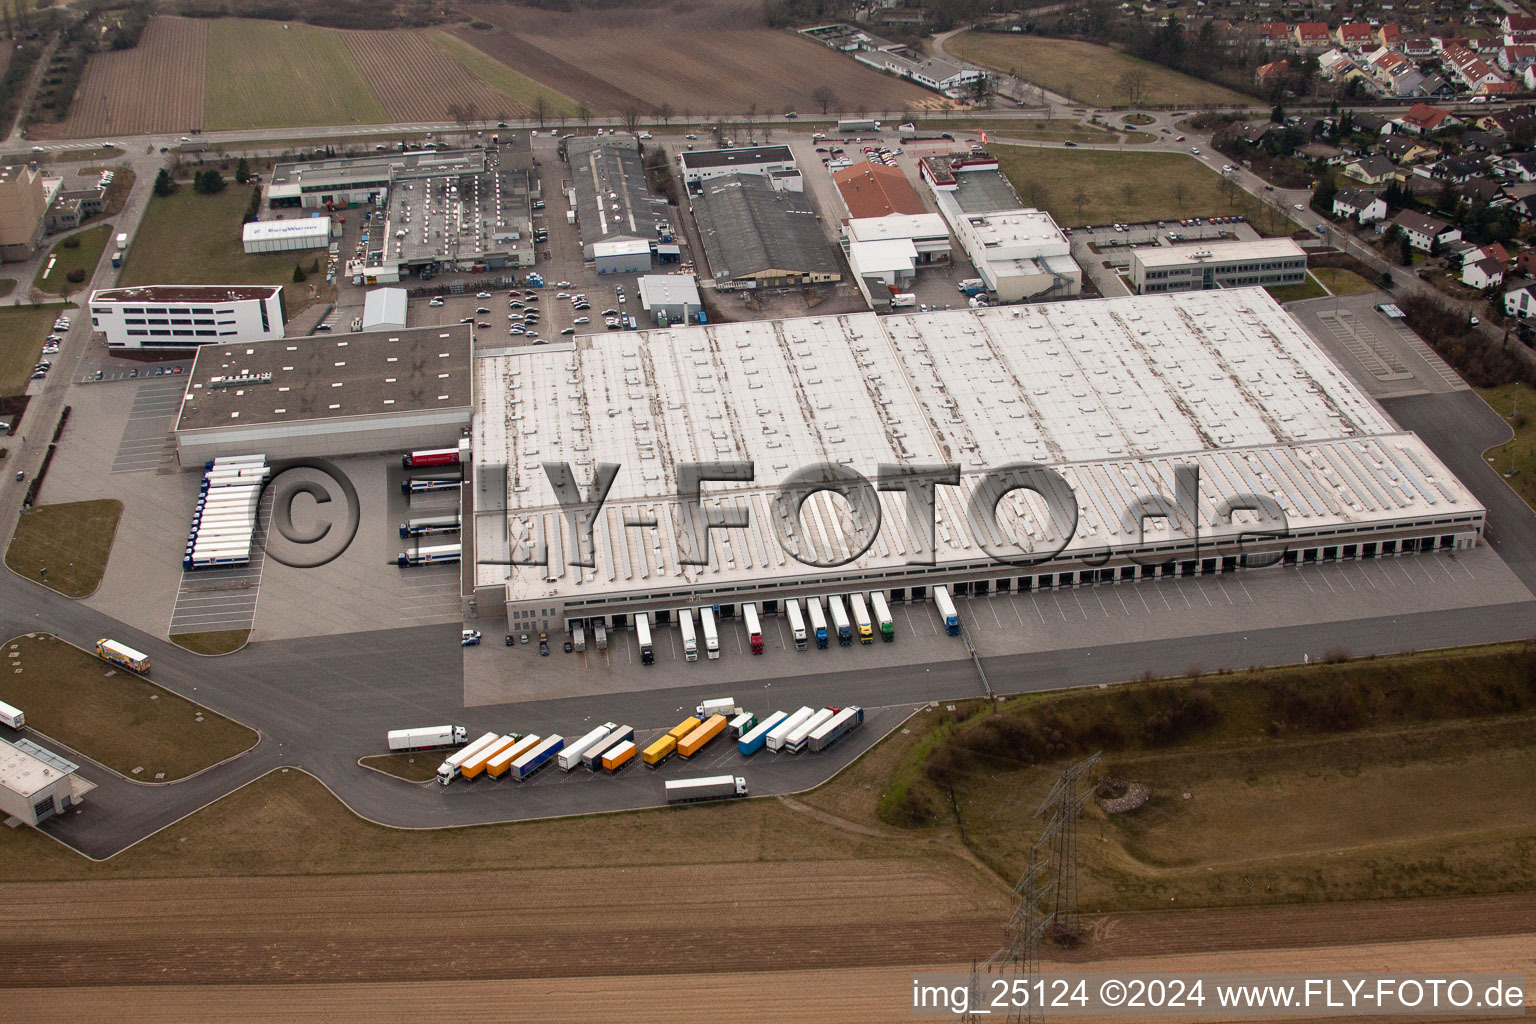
[449, 769]
[947, 610]
[536, 758]
[122, 654]
[471, 767]
[617, 757]
[427, 737]
[796, 622]
[600, 635]
[716, 787]
[706, 733]
[578, 638]
[861, 618]
[429, 555]
[711, 634]
[753, 740]
[571, 755]
[780, 732]
[883, 618]
[690, 638]
[643, 634]
[435, 482]
[840, 621]
[741, 723]
[795, 741]
[592, 757]
[717, 706]
[11, 715]
[430, 457]
[835, 728]
[818, 621]
[501, 763]
[972, 286]
[850, 125]
[429, 525]
[754, 628]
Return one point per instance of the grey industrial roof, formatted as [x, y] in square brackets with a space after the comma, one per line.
[746, 156]
[346, 170]
[388, 372]
[612, 199]
[985, 191]
[749, 228]
[456, 216]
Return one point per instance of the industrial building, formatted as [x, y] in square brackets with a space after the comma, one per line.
[670, 298]
[1019, 252]
[37, 783]
[1186, 435]
[342, 395]
[384, 309]
[284, 235]
[23, 205]
[1180, 268]
[877, 190]
[612, 200]
[927, 233]
[701, 165]
[188, 315]
[757, 237]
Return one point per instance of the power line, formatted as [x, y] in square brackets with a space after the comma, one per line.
[1061, 808]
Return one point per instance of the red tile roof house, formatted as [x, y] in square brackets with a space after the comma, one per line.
[1421, 119]
[1268, 74]
[1312, 34]
[1275, 32]
[1390, 36]
[1354, 34]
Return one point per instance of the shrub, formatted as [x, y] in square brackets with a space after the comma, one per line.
[75, 276]
[72, 242]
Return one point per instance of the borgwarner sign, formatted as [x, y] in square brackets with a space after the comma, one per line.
[580, 506]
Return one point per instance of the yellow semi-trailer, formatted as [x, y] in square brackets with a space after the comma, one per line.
[497, 766]
[700, 738]
[685, 727]
[475, 765]
[659, 751]
[449, 769]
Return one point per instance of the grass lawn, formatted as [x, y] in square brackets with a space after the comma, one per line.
[7, 285]
[112, 715]
[85, 256]
[1309, 289]
[1129, 186]
[1086, 72]
[503, 79]
[266, 74]
[186, 238]
[418, 767]
[72, 541]
[217, 641]
[1343, 282]
[1517, 404]
[22, 330]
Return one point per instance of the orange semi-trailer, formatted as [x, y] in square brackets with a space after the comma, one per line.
[496, 766]
[666, 746]
[475, 765]
[699, 738]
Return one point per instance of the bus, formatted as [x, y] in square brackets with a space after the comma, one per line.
[754, 629]
[947, 610]
[643, 631]
[796, 622]
[429, 525]
[690, 638]
[122, 654]
[430, 457]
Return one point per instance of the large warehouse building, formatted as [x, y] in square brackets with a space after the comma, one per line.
[701, 165]
[285, 235]
[188, 315]
[342, 395]
[757, 237]
[1154, 411]
[1267, 262]
[611, 198]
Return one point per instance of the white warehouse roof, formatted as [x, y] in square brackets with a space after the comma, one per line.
[1218, 252]
[668, 290]
[897, 255]
[1111, 393]
[304, 227]
[897, 225]
[383, 308]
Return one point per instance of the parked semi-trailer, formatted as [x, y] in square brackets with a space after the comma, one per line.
[861, 621]
[427, 737]
[741, 723]
[578, 638]
[11, 715]
[661, 749]
[780, 732]
[690, 638]
[754, 628]
[716, 787]
[570, 757]
[796, 740]
[537, 758]
[473, 766]
[430, 555]
[882, 616]
[717, 706]
[437, 482]
[643, 634]
[685, 727]
[947, 610]
[796, 622]
[592, 757]
[755, 737]
[818, 621]
[429, 525]
[122, 654]
[835, 728]
[430, 457]
[617, 757]
[499, 765]
[449, 769]
[711, 634]
[711, 729]
[840, 621]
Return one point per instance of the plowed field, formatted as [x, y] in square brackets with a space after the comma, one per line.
[155, 87]
[703, 58]
[416, 81]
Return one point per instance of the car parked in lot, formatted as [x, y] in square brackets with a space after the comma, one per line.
[582, 320]
[469, 638]
[543, 645]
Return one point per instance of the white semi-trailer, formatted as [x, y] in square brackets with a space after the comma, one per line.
[711, 634]
[795, 741]
[716, 787]
[570, 756]
[780, 732]
[428, 737]
[796, 622]
[690, 638]
[449, 769]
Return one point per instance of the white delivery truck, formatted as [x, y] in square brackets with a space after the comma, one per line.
[718, 706]
[428, 737]
[818, 621]
[12, 716]
[570, 755]
[690, 638]
[711, 635]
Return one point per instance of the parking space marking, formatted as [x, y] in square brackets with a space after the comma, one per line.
[146, 443]
[223, 598]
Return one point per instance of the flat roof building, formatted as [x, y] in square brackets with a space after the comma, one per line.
[701, 165]
[283, 235]
[328, 395]
[23, 206]
[1268, 262]
[1102, 392]
[613, 202]
[188, 315]
[757, 237]
[876, 190]
[384, 309]
[670, 297]
[36, 783]
[927, 232]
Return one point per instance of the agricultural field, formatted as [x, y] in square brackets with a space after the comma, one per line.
[263, 74]
[155, 87]
[412, 79]
[1087, 72]
[706, 59]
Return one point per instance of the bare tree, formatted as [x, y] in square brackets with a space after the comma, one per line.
[1080, 200]
[1180, 193]
[1230, 189]
[824, 97]
[471, 112]
[1133, 86]
[501, 115]
[632, 120]
[1128, 193]
[585, 113]
[540, 108]
[665, 112]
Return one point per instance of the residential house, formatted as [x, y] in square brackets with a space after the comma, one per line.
[1478, 142]
[1353, 35]
[1311, 35]
[1418, 47]
[1275, 33]
[1518, 23]
[1255, 134]
[1515, 59]
[1484, 273]
[1372, 170]
[1525, 263]
[1521, 166]
[1423, 119]
[1405, 150]
[1436, 88]
[1425, 232]
[1458, 168]
[1520, 298]
[1373, 123]
[1272, 73]
[1336, 65]
[1481, 190]
[1359, 205]
[1390, 36]
[1470, 69]
[1331, 156]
